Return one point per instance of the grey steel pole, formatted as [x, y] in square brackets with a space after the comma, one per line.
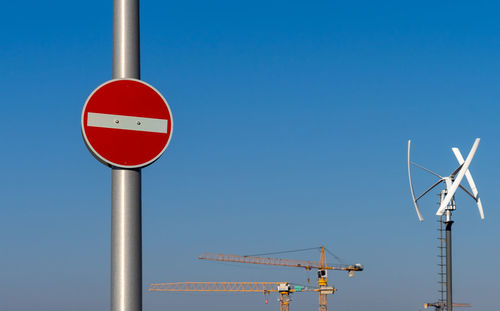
[126, 220]
[449, 297]
[126, 45]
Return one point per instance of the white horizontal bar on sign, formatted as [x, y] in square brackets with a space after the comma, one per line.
[114, 121]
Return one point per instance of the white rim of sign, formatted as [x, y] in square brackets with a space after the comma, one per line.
[127, 125]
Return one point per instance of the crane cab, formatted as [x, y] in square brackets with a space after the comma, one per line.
[284, 287]
[322, 274]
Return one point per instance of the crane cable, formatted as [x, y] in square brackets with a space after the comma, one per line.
[283, 252]
[340, 260]
[335, 256]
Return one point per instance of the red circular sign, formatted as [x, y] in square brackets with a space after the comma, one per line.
[126, 123]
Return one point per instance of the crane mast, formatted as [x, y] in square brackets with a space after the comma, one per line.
[322, 283]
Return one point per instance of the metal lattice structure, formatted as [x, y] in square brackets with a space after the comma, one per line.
[308, 265]
[255, 287]
[321, 266]
[442, 263]
[283, 288]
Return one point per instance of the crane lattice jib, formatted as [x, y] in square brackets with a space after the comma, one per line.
[257, 287]
[308, 265]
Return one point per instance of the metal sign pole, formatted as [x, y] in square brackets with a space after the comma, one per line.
[126, 231]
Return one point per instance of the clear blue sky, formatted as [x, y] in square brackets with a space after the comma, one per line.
[291, 125]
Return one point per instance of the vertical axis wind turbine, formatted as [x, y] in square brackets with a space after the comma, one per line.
[447, 201]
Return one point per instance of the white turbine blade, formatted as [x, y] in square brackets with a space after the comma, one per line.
[480, 207]
[411, 186]
[471, 182]
[458, 179]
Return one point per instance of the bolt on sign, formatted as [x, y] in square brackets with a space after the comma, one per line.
[126, 123]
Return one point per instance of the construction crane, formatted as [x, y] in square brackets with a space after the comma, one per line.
[440, 306]
[283, 288]
[323, 288]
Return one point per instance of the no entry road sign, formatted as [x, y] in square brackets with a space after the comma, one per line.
[126, 123]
